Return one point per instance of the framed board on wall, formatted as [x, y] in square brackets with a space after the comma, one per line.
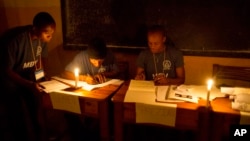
[203, 28]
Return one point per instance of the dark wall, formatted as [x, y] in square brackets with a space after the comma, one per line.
[197, 27]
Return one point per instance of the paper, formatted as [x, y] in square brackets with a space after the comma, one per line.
[200, 91]
[53, 85]
[147, 109]
[87, 86]
[174, 94]
[140, 91]
[235, 90]
[67, 101]
[245, 107]
[244, 117]
[147, 113]
[141, 85]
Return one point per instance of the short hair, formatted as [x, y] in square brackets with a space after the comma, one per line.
[157, 28]
[97, 48]
[42, 20]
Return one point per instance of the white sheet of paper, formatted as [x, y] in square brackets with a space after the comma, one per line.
[53, 85]
[148, 113]
[67, 101]
[244, 117]
[87, 86]
[200, 91]
[168, 94]
[141, 85]
[147, 109]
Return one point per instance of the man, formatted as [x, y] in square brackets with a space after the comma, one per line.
[95, 64]
[161, 63]
[23, 56]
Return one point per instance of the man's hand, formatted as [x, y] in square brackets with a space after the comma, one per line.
[161, 80]
[140, 76]
[97, 79]
[100, 78]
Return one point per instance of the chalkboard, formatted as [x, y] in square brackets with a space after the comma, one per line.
[197, 27]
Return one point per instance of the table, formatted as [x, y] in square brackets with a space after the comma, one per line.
[222, 117]
[189, 116]
[94, 104]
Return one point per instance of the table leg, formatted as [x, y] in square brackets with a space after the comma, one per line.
[118, 123]
[104, 121]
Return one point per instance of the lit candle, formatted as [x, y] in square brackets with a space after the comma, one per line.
[209, 86]
[76, 77]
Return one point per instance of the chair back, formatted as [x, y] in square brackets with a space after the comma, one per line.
[231, 75]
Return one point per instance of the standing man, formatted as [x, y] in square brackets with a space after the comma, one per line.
[161, 63]
[23, 60]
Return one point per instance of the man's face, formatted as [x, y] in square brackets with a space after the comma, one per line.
[46, 33]
[156, 42]
[96, 62]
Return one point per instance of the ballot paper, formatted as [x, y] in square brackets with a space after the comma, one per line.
[147, 110]
[87, 86]
[53, 85]
[200, 91]
[170, 93]
[235, 90]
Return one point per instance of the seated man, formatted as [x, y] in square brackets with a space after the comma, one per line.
[95, 64]
[161, 63]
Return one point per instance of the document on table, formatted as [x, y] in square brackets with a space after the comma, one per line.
[171, 93]
[235, 90]
[143, 94]
[53, 85]
[67, 101]
[200, 91]
[87, 86]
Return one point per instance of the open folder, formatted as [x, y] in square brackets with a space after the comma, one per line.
[171, 93]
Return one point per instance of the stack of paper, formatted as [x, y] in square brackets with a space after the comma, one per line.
[173, 93]
[240, 97]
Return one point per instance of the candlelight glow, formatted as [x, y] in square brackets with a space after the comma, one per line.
[209, 84]
[76, 72]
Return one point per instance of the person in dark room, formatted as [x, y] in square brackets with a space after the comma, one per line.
[95, 64]
[23, 55]
[160, 62]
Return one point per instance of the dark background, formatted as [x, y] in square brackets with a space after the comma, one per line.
[197, 27]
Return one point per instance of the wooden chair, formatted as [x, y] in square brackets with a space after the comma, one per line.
[231, 75]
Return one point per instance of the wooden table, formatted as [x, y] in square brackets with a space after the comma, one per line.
[95, 104]
[189, 116]
[222, 117]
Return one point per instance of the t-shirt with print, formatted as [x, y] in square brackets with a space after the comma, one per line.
[165, 62]
[20, 53]
[81, 61]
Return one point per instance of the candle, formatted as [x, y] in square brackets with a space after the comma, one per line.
[76, 77]
[209, 86]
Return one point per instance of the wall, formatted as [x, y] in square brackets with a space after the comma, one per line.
[16, 12]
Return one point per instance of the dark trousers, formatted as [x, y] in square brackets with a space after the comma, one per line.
[19, 115]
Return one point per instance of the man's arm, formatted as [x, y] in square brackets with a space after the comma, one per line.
[34, 87]
[180, 78]
[140, 74]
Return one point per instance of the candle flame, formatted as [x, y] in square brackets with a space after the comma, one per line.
[209, 84]
[76, 72]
